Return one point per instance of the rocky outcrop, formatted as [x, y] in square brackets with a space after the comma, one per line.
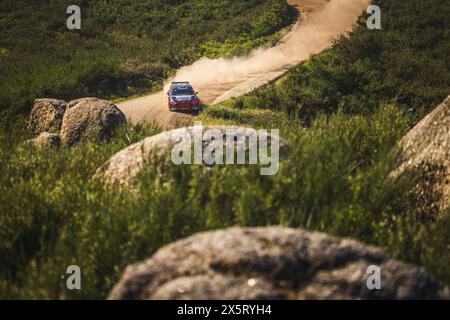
[90, 118]
[47, 115]
[46, 140]
[272, 263]
[123, 168]
[427, 152]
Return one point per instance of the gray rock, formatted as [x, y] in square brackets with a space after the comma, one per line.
[271, 263]
[123, 168]
[47, 115]
[90, 118]
[427, 151]
[46, 140]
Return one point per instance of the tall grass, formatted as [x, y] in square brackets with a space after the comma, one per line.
[405, 63]
[335, 178]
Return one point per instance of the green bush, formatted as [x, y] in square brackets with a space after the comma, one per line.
[335, 178]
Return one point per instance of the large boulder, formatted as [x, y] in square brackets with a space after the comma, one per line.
[427, 151]
[47, 115]
[46, 140]
[123, 168]
[89, 118]
[272, 263]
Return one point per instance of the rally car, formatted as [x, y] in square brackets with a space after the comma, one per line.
[181, 96]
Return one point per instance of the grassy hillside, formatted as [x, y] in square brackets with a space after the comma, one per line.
[124, 47]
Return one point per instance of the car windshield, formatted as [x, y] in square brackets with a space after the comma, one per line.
[185, 91]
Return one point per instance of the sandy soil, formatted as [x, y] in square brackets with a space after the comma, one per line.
[321, 21]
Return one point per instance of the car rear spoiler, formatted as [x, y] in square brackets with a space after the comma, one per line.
[180, 82]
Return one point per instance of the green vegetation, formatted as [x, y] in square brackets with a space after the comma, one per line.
[406, 63]
[336, 178]
[262, 32]
[342, 112]
[124, 47]
[335, 97]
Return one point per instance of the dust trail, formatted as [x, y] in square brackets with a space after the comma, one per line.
[219, 79]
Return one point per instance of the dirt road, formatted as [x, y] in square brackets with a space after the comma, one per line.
[321, 21]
